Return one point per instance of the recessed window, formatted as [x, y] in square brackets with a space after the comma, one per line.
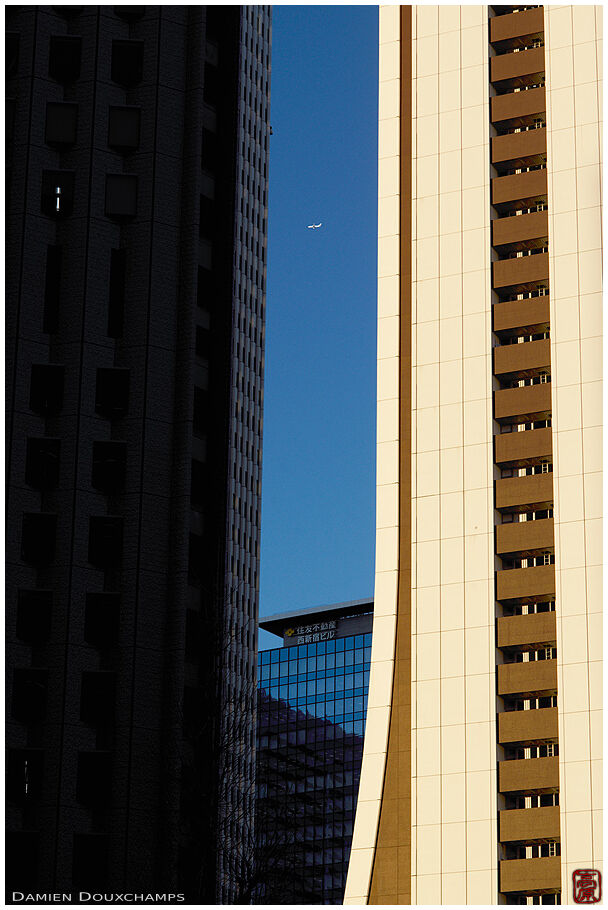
[42, 462]
[112, 392]
[209, 152]
[116, 296]
[52, 290]
[203, 342]
[94, 778]
[38, 536]
[207, 222]
[68, 12]
[204, 292]
[130, 13]
[199, 483]
[64, 58]
[123, 128]
[12, 53]
[127, 62]
[121, 196]
[90, 859]
[101, 618]
[210, 85]
[46, 388]
[29, 694]
[105, 541]
[57, 196]
[97, 696]
[61, 121]
[200, 418]
[21, 862]
[109, 464]
[24, 775]
[34, 611]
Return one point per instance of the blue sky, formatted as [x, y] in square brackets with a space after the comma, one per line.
[320, 382]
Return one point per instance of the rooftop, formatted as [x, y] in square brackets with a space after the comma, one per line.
[278, 621]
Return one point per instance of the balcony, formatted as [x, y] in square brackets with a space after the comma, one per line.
[528, 775]
[529, 875]
[532, 490]
[524, 536]
[529, 679]
[513, 66]
[519, 358]
[517, 25]
[531, 402]
[519, 228]
[527, 447]
[532, 585]
[535, 630]
[514, 106]
[537, 726]
[530, 826]
[514, 316]
[516, 273]
[518, 188]
[527, 147]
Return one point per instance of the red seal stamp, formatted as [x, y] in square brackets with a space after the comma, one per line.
[586, 886]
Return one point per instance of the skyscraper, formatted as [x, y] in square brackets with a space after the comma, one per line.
[136, 265]
[481, 777]
[311, 721]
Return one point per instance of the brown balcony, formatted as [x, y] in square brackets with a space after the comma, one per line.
[524, 536]
[529, 146]
[520, 228]
[518, 188]
[527, 447]
[529, 875]
[529, 825]
[532, 490]
[517, 25]
[534, 584]
[528, 775]
[513, 66]
[536, 630]
[515, 273]
[536, 726]
[531, 314]
[517, 105]
[528, 679]
[517, 358]
[530, 402]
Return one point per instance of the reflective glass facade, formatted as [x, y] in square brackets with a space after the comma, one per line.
[311, 718]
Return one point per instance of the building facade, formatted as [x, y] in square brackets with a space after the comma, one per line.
[481, 774]
[312, 697]
[137, 156]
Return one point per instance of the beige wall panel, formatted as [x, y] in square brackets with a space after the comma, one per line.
[453, 690]
[573, 67]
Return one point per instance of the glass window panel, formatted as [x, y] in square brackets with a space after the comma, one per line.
[349, 657]
[301, 665]
[293, 691]
[368, 639]
[312, 650]
[321, 662]
[339, 706]
[274, 657]
[302, 690]
[274, 671]
[368, 650]
[359, 656]
[320, 686]
[301, 650]
[311, 665]
[330, 661]
[349, 680]
[339, 644]
[311, 687]
[330, 684]
[340, 659]
[293, 667]
[339, 683]
[331, 647]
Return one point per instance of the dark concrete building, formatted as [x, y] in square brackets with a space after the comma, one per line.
[312, 698]
[137, 149]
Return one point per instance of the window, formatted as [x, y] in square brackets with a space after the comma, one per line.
[22, 850]
[52, 290]
[203, 342]
[61, 120]
[121, 196]
[210, 85]
[123, 128]
[42, 462]
[200, 418]
[24, 775]
[38, 537]
[205, 287]
[34, 611]
[112, 392]
[130, 13]
[11, 49]
[207, 222]
[101, 618]
[209, 151]
[57, 197]
[29, 694]
[105, 541]
[109, 465]
[127, 62]
[90, 860]
[94, 778]
[64, 58]
[97, 696]
[199, 483]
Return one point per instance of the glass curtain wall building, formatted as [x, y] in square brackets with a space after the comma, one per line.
[312, 698]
